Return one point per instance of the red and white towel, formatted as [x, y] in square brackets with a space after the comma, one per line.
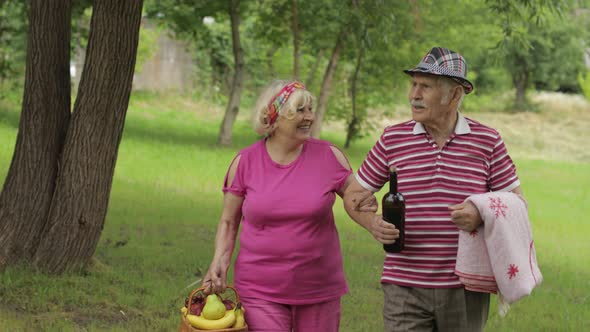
[499, 257]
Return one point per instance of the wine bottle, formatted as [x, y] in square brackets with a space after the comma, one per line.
[393, 207]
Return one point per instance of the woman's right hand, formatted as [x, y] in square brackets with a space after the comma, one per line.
[215, 280]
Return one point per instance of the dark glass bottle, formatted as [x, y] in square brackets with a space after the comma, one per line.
[393, 207]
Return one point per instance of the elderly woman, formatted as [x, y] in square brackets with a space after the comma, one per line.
[281, 189]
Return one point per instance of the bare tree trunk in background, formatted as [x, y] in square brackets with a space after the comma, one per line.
[520, 79]
[327, 85]
[314, 69]
[233, 106]
[354, 121]
[28, 189]
[269, 62]
[295, 41]
[87, 164]
[417, 16]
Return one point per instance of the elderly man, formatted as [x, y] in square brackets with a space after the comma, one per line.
[441, 158]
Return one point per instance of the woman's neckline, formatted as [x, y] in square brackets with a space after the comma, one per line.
[278, 164]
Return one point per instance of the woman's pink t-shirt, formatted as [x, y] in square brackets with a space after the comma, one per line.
[289, 246]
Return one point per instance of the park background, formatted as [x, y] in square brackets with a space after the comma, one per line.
[187, 118]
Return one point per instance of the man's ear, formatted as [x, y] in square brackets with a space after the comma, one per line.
[456, 94]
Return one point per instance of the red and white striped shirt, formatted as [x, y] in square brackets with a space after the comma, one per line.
[474, 160]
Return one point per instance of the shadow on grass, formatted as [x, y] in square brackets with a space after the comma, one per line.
[204, 135]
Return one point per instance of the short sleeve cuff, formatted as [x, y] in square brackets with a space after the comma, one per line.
[511, 186]
[364, 184]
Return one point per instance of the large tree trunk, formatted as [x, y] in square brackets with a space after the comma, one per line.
[80, 202]
[295, 41]
[28, 189]
[327, 85]
[353, 124]
[233, 106]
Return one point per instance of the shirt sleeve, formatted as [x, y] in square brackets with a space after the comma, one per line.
[237, 187]
[374, 171]
[341, 173]
[502, 175]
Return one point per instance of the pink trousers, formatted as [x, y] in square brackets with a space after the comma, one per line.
[265, 316]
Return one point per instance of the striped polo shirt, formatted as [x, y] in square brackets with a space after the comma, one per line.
[473, 160]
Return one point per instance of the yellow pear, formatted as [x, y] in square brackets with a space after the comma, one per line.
[214, 307]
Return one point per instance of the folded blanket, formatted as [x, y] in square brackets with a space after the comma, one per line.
[499, 257]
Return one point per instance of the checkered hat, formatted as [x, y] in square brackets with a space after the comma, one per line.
[444, 62]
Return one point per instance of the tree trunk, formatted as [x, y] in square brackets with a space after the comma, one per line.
[233, 106]
[28, 189]
[314, 69]
[269, 61]
[354, 121]
[327, 85]
[295, 41]
[520, 79]
[87, 164]
[418, 27]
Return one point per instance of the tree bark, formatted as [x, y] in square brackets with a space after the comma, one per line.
[28, 188]
[233, 106]
[354, 121]
[83, 185]
[269, 61]
[295, 41]
[327, 85]
[520, 79]
[418, 26]
[314, 69]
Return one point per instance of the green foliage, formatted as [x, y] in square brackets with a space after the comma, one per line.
[13, 32]
[533, 30]
[147, 46]
[584, 81]
[206, 26]
[81, 15]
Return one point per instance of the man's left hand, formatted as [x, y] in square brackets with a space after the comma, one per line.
[465, 216]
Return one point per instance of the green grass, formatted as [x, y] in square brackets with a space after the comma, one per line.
[163, 211]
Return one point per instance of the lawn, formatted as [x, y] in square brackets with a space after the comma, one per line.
[164, 207]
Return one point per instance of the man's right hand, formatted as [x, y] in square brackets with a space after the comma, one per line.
[364, 201]
[383, 231]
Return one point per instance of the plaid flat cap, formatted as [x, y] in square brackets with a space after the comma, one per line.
[444, 62]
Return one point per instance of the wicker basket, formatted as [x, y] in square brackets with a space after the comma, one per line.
[185, 326]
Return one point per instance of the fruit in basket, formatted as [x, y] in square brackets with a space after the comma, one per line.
[197, 308]
[214, 308]
[240, 321]
[200, 322]
[197, 304]
[229, 304]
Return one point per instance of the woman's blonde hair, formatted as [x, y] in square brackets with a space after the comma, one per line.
[298, 99]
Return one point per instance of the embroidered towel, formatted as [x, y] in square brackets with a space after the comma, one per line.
[499, 257]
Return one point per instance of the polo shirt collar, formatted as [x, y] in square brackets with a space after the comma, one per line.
[461, 128]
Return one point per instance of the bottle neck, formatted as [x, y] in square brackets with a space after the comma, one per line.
[393, 182]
